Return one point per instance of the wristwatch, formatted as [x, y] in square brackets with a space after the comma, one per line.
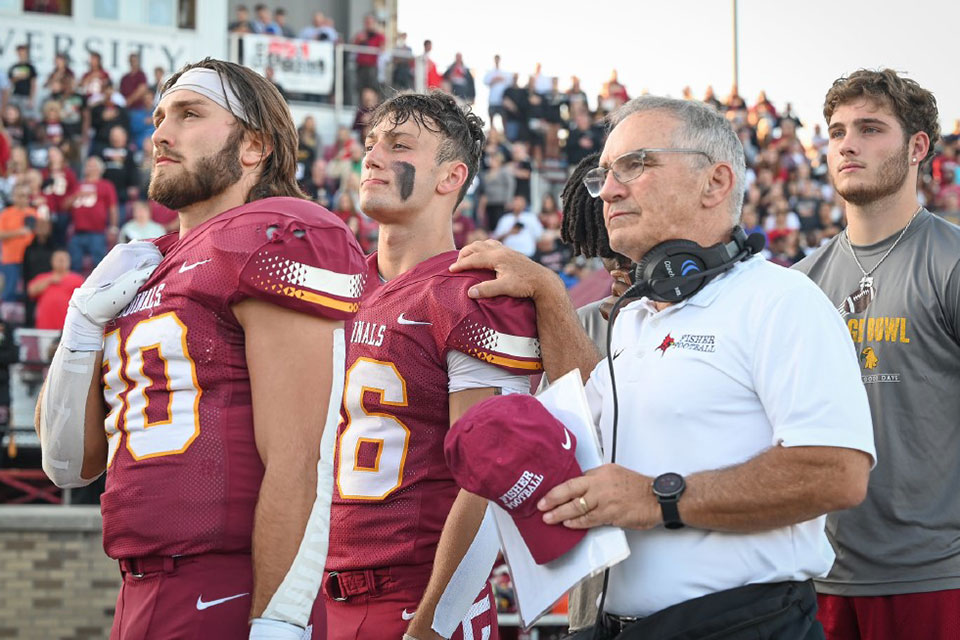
[668, 487]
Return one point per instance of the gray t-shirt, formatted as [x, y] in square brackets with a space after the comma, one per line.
[905, 537]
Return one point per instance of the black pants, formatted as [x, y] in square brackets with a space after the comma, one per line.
[777, 611]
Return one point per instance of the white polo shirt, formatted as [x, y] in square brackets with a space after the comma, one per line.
[757, 358]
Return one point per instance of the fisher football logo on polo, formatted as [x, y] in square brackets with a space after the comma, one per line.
[689, 342]
[666, 344]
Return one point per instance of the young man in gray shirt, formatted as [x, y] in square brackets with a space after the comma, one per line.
[894, 275]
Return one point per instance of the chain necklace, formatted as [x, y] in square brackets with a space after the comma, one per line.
[866, 282]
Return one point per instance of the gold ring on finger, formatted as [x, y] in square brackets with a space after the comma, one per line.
[583, 505]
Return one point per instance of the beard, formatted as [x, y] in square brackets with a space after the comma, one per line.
[891, 175]
[213, 175]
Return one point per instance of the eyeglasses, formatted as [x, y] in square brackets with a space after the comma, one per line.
[627, 167]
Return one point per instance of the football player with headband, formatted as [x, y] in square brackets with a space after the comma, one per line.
[203, 372]
[409, 551]
[730, 404]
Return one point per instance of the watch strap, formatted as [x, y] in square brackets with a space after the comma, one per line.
[671, 514]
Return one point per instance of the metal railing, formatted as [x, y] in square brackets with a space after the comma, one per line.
[385, 62]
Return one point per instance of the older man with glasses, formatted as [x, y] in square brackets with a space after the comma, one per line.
[742, 419]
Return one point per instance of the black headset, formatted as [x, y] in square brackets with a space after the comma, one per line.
[671, 272]
[676, 269]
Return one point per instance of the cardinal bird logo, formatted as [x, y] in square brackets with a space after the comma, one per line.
[666, 344]
[869, 358]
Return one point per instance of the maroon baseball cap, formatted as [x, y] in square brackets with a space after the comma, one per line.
[511, 450]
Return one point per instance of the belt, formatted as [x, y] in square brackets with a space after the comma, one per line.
[342, 585]
[759, 610]
[139, 567]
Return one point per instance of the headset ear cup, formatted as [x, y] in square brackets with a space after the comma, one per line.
[652, 269]
[642, 272]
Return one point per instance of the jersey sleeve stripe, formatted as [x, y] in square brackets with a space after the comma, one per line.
[342, 285]
[316, 298]
[505, 343]
[531, 365]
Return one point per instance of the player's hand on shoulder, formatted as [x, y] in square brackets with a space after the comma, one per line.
[115, 281]
[517, 276]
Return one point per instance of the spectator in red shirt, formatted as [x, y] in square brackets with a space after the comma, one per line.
[613, 94]
[461, 80]
[434, 79]
[59, 183]
[136, 91]
[93, 207]
[52, 291]
[371, 36]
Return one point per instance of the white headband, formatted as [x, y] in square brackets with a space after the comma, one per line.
[209, 84]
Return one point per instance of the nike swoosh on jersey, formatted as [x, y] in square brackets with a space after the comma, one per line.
[402, 320]
[201, 605]
[567, 444]
[187, 267]
[407, 616]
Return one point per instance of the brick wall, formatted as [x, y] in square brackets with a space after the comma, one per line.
[55, 581]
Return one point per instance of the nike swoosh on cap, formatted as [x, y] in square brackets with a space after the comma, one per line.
[567, 444]
[201, 605]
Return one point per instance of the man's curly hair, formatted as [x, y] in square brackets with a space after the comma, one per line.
[461, 129]
[583, 225]
[914, 107]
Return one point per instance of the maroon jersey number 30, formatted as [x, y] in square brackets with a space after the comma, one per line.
[183, 469]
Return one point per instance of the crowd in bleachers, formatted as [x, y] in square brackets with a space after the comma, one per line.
[538, 132]
[74, 167]
[75, 161]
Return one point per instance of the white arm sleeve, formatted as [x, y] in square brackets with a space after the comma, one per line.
[468, 580]
[293, 600]
[62, 415]
[465, 372]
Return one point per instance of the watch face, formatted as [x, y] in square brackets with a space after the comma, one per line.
[668, 484]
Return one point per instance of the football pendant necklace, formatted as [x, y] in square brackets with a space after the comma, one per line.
[866, 282]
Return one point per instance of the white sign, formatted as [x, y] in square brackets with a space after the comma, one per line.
[167, 48]
[299, 66]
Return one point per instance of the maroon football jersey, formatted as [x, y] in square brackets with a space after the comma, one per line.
[183, 472]
[393, 489]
